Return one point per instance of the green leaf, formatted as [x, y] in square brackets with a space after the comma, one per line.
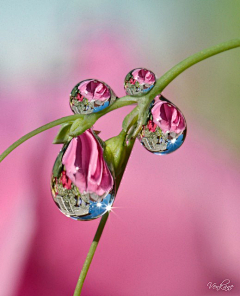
[81, 124]
[78, 127]
[63, 134]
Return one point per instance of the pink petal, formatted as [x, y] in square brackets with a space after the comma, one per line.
[85, 165]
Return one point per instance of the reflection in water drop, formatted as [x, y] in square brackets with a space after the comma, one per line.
[166, 127]
[139, 81]
[82, 185]
[91, 96]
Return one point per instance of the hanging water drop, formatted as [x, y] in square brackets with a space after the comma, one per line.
[82, 185]
[166, 127]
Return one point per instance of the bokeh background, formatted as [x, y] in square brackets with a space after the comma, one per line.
[176, 222]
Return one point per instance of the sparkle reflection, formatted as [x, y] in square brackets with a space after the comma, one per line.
[108, 208]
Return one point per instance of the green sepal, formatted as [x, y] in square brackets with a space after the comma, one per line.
[81, 124]
[63, 134]
[115, 152]
[102, 143]
[108, 157]
[131, 132]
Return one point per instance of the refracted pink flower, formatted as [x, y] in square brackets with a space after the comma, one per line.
[79, 97]
[168, 117]
[66, 182]
[85, 165]
[94, 90]
[144, 76]
[151, 126]
[132, 81]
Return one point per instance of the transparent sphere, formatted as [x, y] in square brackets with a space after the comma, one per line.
[90, 96]
[139, 81]
[82, 185]
[166, 127]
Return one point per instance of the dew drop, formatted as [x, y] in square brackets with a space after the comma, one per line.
[91, 96]
[82, 185]
[139, 81]
[166, 127]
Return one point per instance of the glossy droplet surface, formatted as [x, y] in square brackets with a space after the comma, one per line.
[90, 96]
[82, 185]
[166, 127]
[139, 81]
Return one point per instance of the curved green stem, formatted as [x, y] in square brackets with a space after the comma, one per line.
[90, 255]
[100, 228]
[161, 83]
[124, 101]
[35, 132]
[171, 74]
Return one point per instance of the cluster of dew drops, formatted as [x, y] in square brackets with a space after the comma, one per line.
[83, 193]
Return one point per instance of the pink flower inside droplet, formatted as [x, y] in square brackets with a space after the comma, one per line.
[79, 97]
[66, 182]
[94, 90]
[85, 165]
[151, 126]
[144, 76]
[132, 81]
[168, 117]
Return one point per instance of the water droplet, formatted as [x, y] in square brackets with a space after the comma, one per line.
[166, 127]
[82, 185]
[90, 96]
[139, 81]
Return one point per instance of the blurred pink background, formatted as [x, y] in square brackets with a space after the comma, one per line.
[175, 225]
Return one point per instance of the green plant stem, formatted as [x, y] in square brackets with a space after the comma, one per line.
[90, 254]
[161, 83]
[171, 74]
[100, 228]
[124, 101]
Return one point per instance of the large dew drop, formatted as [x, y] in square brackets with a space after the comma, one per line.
[82, 185]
